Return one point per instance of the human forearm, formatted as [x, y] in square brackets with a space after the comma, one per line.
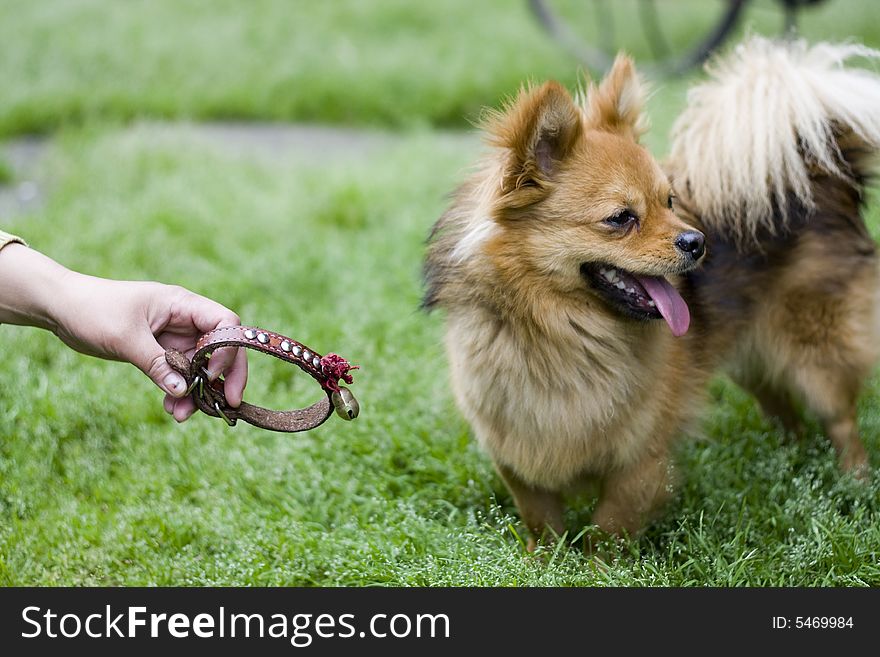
[132, 321]
[30, 283]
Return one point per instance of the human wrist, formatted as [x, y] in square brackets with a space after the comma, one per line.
[32, 287]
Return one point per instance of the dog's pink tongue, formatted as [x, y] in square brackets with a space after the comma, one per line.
[669, 303]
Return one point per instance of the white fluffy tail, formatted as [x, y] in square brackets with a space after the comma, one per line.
[770, 115]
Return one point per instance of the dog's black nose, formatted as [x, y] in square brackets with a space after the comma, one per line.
[691, 242]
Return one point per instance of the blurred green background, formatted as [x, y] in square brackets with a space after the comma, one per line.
[134, 133]
[389, 62]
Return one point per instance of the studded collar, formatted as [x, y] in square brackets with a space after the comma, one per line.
[210, 399]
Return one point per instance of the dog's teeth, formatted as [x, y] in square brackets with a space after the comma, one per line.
[621, 285]
[603, 271]
[651, 303]
[631, 290]
[609, 275]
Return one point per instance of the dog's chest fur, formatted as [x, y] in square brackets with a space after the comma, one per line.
[574, 399]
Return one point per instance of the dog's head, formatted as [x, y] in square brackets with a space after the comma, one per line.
[583, 206]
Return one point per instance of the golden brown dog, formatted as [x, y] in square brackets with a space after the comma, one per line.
[559, 259]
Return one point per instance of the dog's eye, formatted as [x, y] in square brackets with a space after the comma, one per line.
[622, 219]
[669, 201]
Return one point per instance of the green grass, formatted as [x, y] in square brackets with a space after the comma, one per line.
[395, 62]
[398, 62]
[99, 486]
[6, 173]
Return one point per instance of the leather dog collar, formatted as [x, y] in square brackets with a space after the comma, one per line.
[209, 396]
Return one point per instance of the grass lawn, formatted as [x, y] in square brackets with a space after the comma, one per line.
[99, 486]
[390, 62]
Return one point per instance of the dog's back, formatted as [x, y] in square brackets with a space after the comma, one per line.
[771, 158]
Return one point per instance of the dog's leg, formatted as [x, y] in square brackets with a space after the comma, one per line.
[832, 396]
[630, 495]
[843, 432]
[540, 509]
[777, 405]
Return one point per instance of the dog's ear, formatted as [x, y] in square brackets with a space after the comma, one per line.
[617, 104]
[537, 131]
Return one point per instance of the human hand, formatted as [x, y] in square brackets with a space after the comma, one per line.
[120, 320]
[136, 322]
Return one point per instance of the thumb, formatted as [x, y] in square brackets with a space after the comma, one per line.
[149, 357]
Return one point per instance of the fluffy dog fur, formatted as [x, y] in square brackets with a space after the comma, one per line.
[563, 382]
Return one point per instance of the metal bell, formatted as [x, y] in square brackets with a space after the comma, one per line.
[345, 404]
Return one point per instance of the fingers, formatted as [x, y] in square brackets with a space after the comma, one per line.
[221, 361]
[148, 356]
[183, 409]
[192, 311]
[207, 315]
[232, 362]
[180, 409]
[236, 378]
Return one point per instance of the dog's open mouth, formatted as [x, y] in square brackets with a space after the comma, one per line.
[639, 296]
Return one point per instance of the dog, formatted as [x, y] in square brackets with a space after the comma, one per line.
[591, 293]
